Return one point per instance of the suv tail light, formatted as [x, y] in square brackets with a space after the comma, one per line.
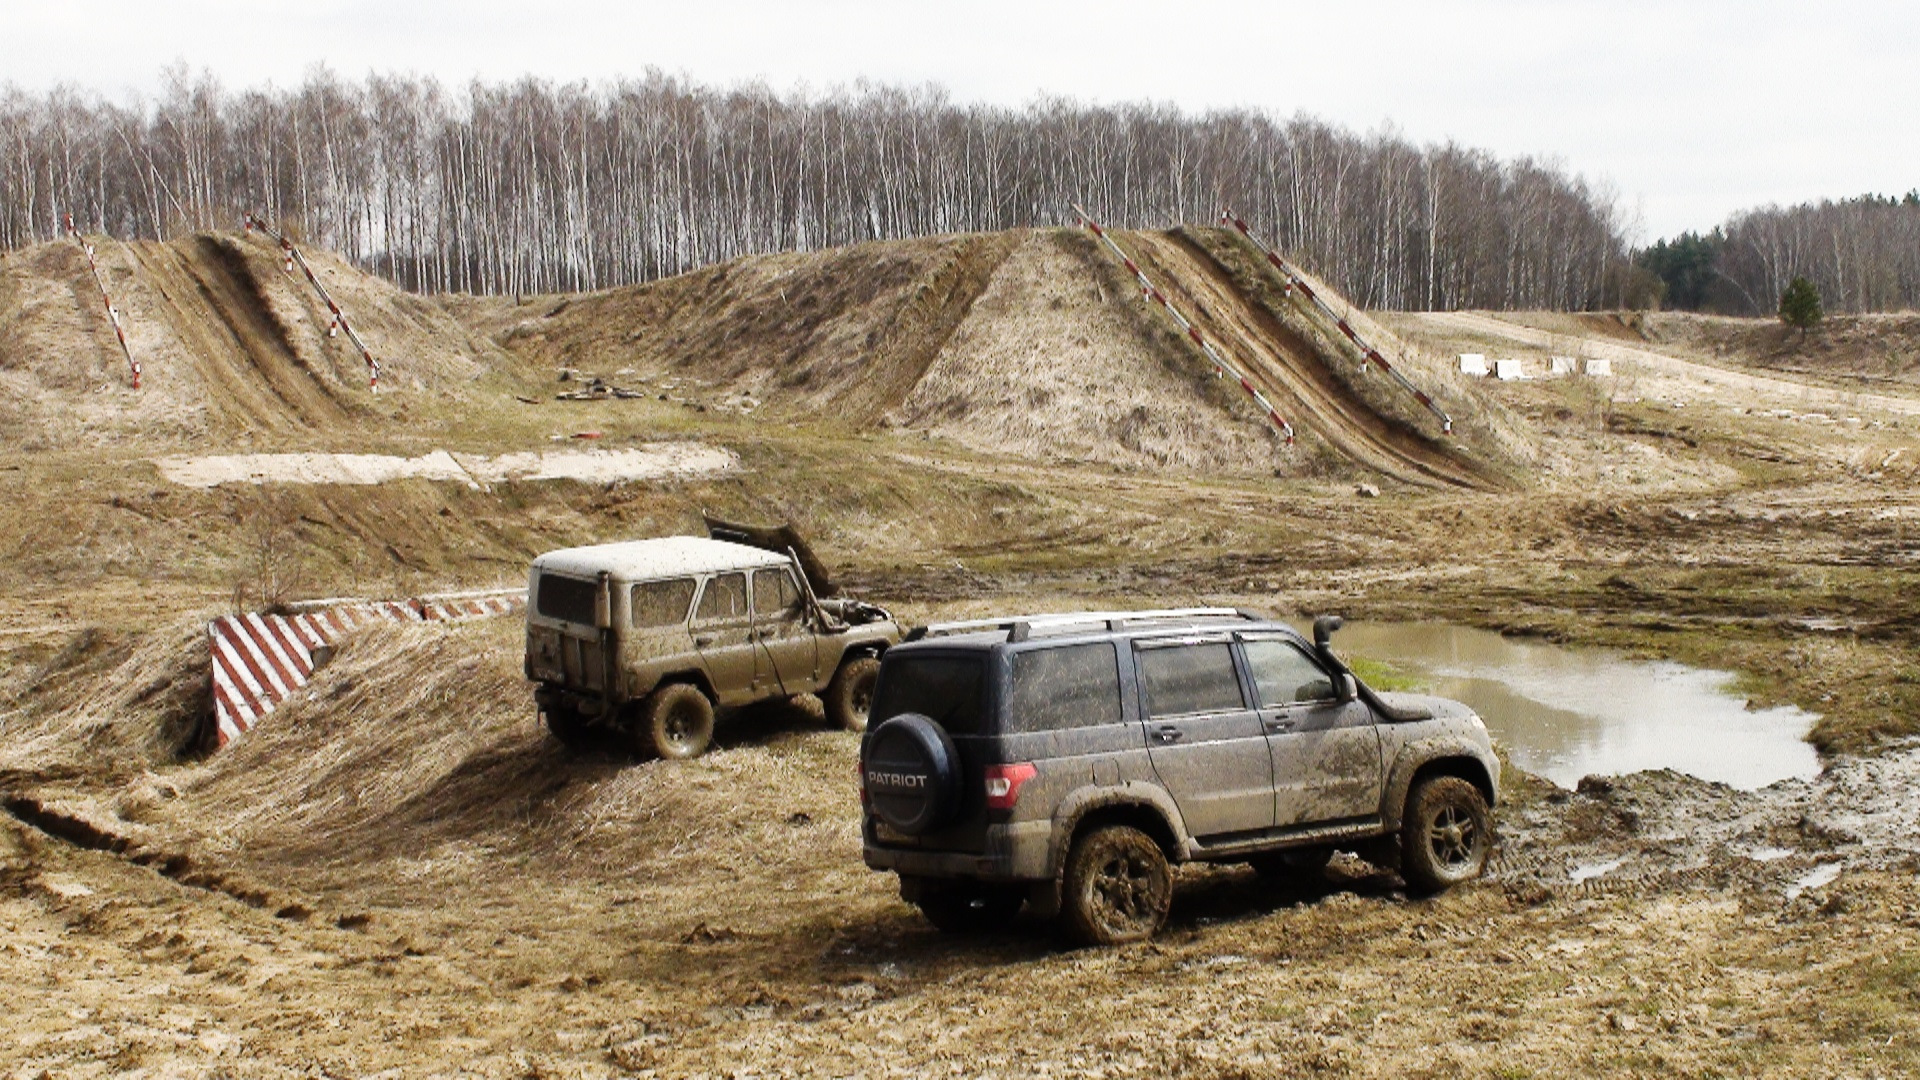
[1003, 784]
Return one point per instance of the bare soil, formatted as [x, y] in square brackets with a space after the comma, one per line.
[400, 873]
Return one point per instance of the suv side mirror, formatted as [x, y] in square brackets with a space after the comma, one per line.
[1348, 687]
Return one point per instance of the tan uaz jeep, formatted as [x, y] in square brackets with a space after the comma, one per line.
[643, 640]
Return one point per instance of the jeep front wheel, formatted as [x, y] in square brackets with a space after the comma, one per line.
[1445, 836]
[850, 694]
[676, 721]
[1118, 887]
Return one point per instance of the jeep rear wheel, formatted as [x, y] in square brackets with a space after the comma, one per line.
[850, 694]
[1118, 887]
[1445, 835]
[676, 721]
[970, 907]
[568, 726]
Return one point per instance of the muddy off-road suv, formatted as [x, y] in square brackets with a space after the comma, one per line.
[1064, 762]
[643, 640]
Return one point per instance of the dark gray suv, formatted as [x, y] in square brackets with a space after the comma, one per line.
[1064, 762]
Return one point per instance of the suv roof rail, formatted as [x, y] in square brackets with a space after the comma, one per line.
[1028, 626]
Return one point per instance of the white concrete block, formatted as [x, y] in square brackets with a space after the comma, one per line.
[1562, 365]
[1599, 367]
[1473, 363]
[1508, 370]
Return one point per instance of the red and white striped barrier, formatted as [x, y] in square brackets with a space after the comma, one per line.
[113, 313]
[260, 660]
[1297, 284]
[339, 323]
[1191, 331]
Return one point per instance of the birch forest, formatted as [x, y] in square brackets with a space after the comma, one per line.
[535, 187]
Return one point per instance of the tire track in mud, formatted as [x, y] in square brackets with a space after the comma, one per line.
[1292, 373]
[220, 311]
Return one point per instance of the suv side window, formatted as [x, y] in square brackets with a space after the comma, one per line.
[661, 603]
[775, 595]
[724, 599]
[1068, 687]
[1189, 678]
[1283, 675]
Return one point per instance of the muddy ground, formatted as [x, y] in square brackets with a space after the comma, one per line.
[401, 874]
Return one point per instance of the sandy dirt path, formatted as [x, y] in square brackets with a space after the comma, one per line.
[652, 462]
[1803, 394]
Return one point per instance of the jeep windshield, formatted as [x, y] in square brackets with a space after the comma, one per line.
[947, 689]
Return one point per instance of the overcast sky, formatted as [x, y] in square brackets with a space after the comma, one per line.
[1688, 110]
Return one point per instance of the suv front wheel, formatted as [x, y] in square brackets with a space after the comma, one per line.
[1118, 887]
[850, 695]
[1445, 836]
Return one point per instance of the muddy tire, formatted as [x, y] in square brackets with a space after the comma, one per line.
[850, 695]
[1445, 835]
[970, 907]
[568, 726]
[676, 721]
[1118, 887]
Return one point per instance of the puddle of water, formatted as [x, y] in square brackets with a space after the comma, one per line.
[1814, 879]
[1566, 713]
[1589, 871]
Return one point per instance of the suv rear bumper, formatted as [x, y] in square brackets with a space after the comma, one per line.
[1020, 851]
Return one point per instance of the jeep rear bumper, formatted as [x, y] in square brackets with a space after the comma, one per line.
[1019, 851]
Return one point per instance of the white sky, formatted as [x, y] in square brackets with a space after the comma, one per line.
[1688, 109]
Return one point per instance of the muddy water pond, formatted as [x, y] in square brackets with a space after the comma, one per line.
[1565, 713]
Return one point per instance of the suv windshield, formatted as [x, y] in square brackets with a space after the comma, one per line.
[945, 689]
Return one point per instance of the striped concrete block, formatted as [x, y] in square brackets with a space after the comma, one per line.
[260, 660]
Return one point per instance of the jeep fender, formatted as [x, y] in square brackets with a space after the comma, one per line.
[1454, 752]
[1161, 819]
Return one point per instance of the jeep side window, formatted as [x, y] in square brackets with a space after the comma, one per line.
[724, 599]
[1189, 678]
[1283, 675]
[661, 603]
[774, 594]
[1067, 687]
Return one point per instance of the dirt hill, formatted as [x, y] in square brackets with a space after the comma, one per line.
[231, 345]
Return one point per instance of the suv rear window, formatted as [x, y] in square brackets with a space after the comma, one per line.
[566, 598]
[1182, 679]
[945, 689]
[1068, 687]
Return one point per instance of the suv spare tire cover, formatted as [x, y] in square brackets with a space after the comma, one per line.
[912, 774]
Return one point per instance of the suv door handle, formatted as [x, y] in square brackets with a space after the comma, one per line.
[703, 639]
[1282, 723]
[1168, 734]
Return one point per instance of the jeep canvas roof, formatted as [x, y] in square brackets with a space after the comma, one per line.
[667, 556]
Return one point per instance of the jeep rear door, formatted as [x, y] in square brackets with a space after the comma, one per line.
[1326, 752]
[1206, 745]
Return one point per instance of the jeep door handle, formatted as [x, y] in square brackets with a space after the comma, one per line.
[703, 639]
[1283, 723]
[1168, 734]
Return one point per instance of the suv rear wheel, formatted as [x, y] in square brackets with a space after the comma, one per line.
[1445, 835]
[850, 695]
[567, 725]
[676, 721]
[1118, 887]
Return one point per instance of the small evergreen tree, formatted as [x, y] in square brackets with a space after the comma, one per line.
[1800, 304]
